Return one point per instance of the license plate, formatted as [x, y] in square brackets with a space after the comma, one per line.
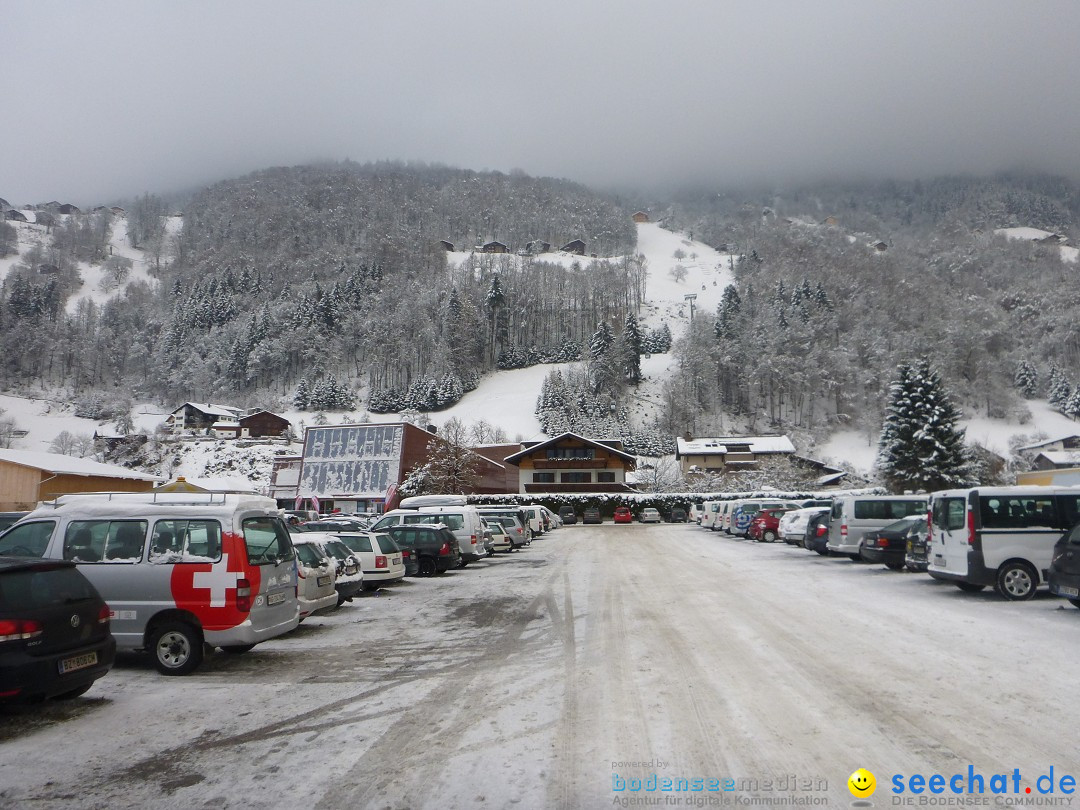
[322, 581]
[275, 598]
[1065, 590]
[78, 662]
[395, 560]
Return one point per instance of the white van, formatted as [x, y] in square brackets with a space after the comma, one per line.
[177, 569]
[710, 510]
[1000, 536]
[855, 515]
[463, 521]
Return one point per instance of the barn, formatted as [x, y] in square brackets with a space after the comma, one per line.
[27, 476]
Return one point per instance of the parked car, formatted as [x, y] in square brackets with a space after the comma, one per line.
[854, 515]
[622, 515]
[518, 525]
[591, 515]
[191, 569]
[816, 537]
[489, 540]
[917, 553]
[1064, 574]
[568, 515]
[381, 559]
[1000, 536]
[793, 524]
[765, 527]
[10, 518]
[678, 515]
[710, 515]
[889, 544]
[650, 515]
[519, 535]
[434, 545]
[463, 520]
[54, 631]
[695, 513]
[742, 514]
[499, 538]
[348, 574]
[315, 573]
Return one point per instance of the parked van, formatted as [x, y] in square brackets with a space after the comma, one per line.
[177, 569]
[1000, 536]
[709, 512]
[743, 513]
[463, 521]
[855, 515]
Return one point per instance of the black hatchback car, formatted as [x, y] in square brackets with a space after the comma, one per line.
[889, 544]
[54, 631]
[567, 515]
[434, 546]
[1064, 579]
[817, 533]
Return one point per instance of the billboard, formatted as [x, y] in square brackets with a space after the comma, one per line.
[350, 461]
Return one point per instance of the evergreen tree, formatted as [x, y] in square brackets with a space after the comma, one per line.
[1060, 391]
[302, 396]
[1026, 379]
[631, 345]
[1072, 404]
[920, 447]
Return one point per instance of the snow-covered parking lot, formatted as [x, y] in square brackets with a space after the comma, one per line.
[600, 654]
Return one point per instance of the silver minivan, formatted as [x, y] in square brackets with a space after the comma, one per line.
[178, 570]
[855, 515]
[463, 521]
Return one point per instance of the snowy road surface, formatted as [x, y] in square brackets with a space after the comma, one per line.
[541, 679]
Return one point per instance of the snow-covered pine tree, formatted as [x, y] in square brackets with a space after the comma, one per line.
[631, 349]
[1026, 379]
[1060, 391]
[302, 395]
[920, 446]
[1072, 404]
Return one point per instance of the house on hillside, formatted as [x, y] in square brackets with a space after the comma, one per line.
[536, 247]
[1067, 441]
[577, 246]
[68, 208]
[640, 216]
[728, 453]
[261, 424]
[27, 477]
[116, 209]
[446, 245]
[200, 416]
[572, 463]
[15, 215]
[494, 247]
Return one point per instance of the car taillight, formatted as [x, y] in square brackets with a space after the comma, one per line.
[380, 562]
[104, 615]
[243, 595]
[843, 530]
[882, 542]
[929, 522]
[820, 531]
[445, 550]
[406, 554]
[971, 527]
[19, 629]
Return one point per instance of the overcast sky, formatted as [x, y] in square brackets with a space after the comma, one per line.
[102, 100]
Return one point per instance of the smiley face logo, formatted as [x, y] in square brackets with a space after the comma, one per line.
[862, 783]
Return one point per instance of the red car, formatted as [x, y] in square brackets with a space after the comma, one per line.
[764, 527]
[622, 515]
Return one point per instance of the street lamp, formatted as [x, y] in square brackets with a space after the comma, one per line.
[690, 297]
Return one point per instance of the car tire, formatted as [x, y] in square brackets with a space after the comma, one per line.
[969, 587]
[1017, 581]
[824, 552]
[854, 558]
[427, 567]
[177, 648]
[895, 566]
[238, 649]
[768, 536]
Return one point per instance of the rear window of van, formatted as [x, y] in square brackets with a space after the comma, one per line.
[454, 522]
[267, 539]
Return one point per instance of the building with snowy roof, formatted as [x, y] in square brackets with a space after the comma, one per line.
[1068, 441]
[201, 416]
[572, 463]
[27, 477]
[728, 453]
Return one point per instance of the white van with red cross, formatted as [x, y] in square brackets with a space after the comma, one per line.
[178, 570]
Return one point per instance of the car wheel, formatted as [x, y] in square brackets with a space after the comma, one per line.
[1017, 581]
[427, 567]
[824, 552]
[895, 566]
[855, 557]
[969, 587]
[177, 648]
[238, 649]
[768, 536]
[74, 693]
